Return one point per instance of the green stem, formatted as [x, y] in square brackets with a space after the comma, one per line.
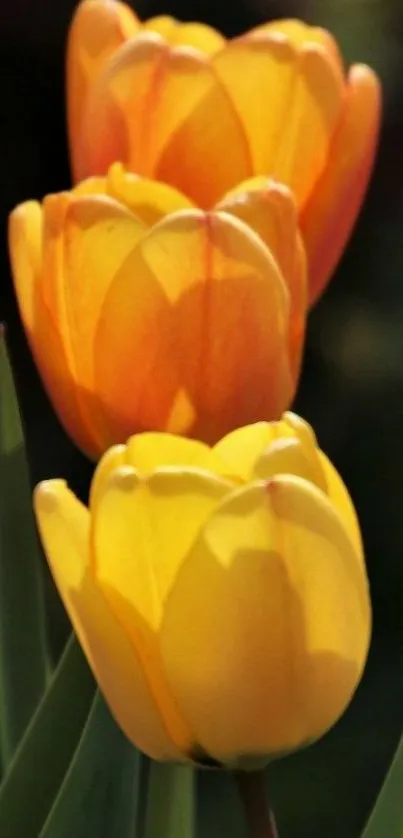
[252, 791]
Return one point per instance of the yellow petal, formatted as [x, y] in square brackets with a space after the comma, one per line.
[139, 559]
[152, 106]
[289, 101]
[64, 527]
[270, 211]
[163, 25]
[301, 429]
[148, 199]
[142, 532]
[197, 35]
[331, 210]
[25, 244]
[340, 498]
[280, 622]
[92, 185]
[288, 456]
[242, 448]
[114, 458]
[150, 451]
[147, 452]
[97, 30]
[86, 241]
[205, 287]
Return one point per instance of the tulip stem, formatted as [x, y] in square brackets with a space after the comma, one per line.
[252, 791]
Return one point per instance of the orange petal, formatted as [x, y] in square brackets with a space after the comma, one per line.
[149, 200]
[180, 316]
[25, 244]
[299, 34]
[97, 30]
[271, 212]
[197, 35]
[289, 102]
[330, 212]
[86, 241]
[163, 113]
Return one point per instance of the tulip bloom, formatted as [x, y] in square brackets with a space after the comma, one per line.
[145, 313]
[181, 104]
[219, 594]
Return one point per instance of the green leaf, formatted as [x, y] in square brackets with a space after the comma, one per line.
[170, 804]
[23, 659]
[386, 820]
[99, 794]
[46, 750]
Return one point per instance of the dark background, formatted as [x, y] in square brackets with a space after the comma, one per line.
[352, 383]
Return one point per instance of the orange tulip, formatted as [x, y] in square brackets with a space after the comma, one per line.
[144, 312]
[178, 103]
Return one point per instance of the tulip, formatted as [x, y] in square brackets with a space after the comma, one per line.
[219, 593]
[146, 313]
[181, 104]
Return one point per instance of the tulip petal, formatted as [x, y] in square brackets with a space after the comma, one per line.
[25, 245]
[147, 199]
[163, 25]
[97, 30]
[138, 545]
[169, 100]
[280, 622]
[197, 35]
[271, 212]
[289, 102]
[206, 288]
[299, 34]
[242, 448]
[114, 458]
[87, 240]
[64, 527]
[340, 498]
[288, 456]
[331, 210]
[92, 185]
[142, 531]
[147, 452]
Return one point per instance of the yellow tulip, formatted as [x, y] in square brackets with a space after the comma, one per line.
[219, 594]
[145, 313]
[179, 103]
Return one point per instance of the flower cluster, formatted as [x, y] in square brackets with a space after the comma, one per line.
[217, 581]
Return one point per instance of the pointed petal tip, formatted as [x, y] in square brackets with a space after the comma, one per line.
[47, 495]
[124, 478]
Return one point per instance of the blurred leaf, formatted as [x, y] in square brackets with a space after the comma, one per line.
[23, 663]
[170, 804]
[46, 750]
[219, 810]
[98, 796]
[386, 820]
